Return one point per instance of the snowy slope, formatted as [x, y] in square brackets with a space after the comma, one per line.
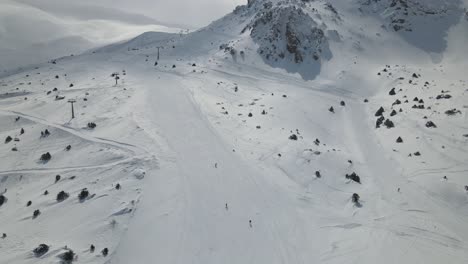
[225, 154]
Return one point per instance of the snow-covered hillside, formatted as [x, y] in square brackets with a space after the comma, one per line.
[288, 131]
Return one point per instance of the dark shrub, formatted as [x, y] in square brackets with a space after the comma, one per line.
[452, 112]
[41, 250]
[389, 124]
[318, 175]
[8, 139]
[57, 178]
[46, 157]
[68, 148]
[380, 111]
[353, 177]
[2, 199]
[105, 251]
[399, 140]
[29, 203]
[430, 124]
[61, 196]
[443, 96]
[92, 248]
[331, 109]
[36, 213]
[92, 125]
[83, 194]
[117, 186]
[68, 256]
[355, 198]
[293, 137]
[379, 121]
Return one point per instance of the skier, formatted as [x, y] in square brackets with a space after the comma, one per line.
[250, 223]
[226, 206]
[216, 165]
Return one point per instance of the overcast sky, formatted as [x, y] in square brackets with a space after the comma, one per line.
[194, 13]
[33, 31]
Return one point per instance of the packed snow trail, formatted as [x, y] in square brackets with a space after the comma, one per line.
[182, 218]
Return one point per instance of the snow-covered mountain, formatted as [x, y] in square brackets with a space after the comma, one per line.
[288, 131]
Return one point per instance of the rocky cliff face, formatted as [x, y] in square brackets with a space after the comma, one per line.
[287, 33]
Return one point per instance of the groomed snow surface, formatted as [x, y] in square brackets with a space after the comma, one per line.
[214, 156]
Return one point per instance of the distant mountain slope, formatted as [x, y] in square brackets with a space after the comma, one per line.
[56, 32]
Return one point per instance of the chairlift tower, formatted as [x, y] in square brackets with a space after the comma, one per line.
[72, 101]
